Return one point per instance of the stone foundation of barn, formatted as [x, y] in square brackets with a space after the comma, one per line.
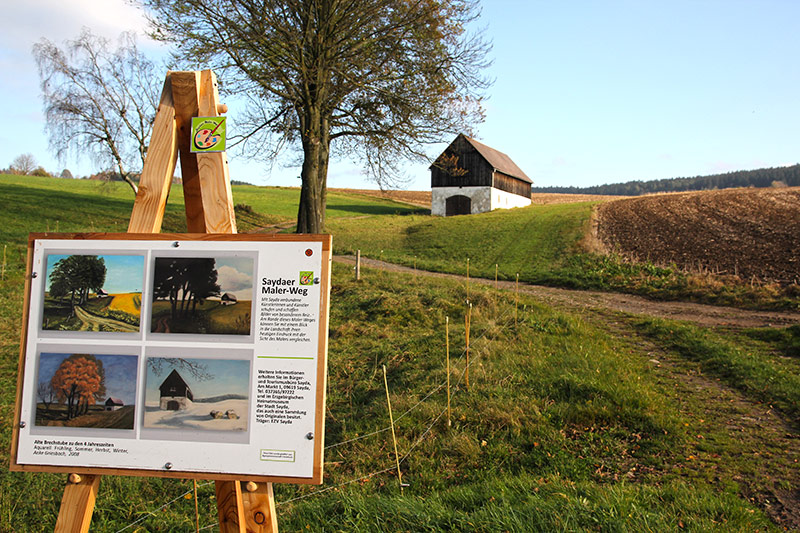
[174, 403]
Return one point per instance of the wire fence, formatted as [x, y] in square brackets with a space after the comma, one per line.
[428, 428]
[417, 442]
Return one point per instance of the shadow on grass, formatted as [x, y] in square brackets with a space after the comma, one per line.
[378, 209]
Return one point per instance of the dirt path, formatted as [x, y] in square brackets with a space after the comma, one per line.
[733, 423]
[90, 322]
[704, 315]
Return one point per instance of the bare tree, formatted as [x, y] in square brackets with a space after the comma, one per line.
[379, 78]
[98, 99]
[46, 393]
[23, 164]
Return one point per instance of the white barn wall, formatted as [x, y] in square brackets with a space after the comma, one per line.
[483, 199]
[507, 200]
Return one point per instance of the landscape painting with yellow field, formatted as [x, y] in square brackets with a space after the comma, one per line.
[93, 293]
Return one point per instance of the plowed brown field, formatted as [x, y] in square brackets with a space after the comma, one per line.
[423, 198]
[752, 233]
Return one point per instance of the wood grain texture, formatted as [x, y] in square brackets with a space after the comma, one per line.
[213, 167]
[185, 93]
[230, 508]
[324, 239]
[77, 505]
[159, 167]
[23, 342]
[259, 509]
[322, 364]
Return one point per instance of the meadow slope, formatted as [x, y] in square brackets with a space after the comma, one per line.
[749, 233]
[575, 418]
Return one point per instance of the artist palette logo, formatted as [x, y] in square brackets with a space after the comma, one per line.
[306, 277]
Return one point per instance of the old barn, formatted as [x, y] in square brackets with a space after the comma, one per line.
[175, 393]
[114, 404]
[470, 177]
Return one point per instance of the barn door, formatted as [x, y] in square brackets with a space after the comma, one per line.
[457, 205]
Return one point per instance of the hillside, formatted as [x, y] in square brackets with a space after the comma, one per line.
[577, 417]
[749, 233]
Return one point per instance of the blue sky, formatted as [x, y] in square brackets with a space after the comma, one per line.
[120, 372]
[586, 92]
[124, 273]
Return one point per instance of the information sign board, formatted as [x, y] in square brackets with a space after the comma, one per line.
[175, 355]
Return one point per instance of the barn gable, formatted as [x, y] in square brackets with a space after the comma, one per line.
[175, 393]
[470, 177]
[112, 404]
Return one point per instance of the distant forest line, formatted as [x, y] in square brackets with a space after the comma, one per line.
[763, 177]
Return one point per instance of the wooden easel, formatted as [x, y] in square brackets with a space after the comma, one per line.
[242, 507]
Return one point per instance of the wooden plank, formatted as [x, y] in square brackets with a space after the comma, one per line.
[230, 508]
[259, 509]
[23, 343]
[324, 239]
[322, 360]
[185, 93]
[213, 167]
[159, 168]
[77, 505]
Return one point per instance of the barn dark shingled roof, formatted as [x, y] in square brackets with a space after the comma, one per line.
[500, 161]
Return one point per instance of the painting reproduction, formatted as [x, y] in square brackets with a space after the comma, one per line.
[202, 295]
[93, 293]
[197, 394]
[86, 390]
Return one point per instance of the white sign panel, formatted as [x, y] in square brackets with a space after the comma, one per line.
[199, 357]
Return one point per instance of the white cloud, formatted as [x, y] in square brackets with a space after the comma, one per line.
[27, 22]
[232, 280]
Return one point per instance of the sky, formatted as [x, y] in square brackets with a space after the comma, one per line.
[235, 276]
[120, 372]
[585, 93]
[226, 376]
[124, 273]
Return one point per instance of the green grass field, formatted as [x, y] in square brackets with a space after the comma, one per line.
[209, 318]
[573, 421]
[541, 243]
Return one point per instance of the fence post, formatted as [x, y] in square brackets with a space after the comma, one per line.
[468, 322]
[516, 300]
[394, 437]
[358, 265]
[447, 351]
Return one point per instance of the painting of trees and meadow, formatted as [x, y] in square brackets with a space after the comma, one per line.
[86, 390]
[93, 293]
[202, 295]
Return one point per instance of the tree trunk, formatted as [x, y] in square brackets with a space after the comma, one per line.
[316, 152]
[124, 175]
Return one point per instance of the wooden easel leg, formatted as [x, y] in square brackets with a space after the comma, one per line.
[259, 508]
[248, 509]
[77, 504]
[229, 507]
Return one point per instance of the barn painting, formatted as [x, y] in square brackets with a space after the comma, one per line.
[114, 404]
[175, 393]
[470, 177]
